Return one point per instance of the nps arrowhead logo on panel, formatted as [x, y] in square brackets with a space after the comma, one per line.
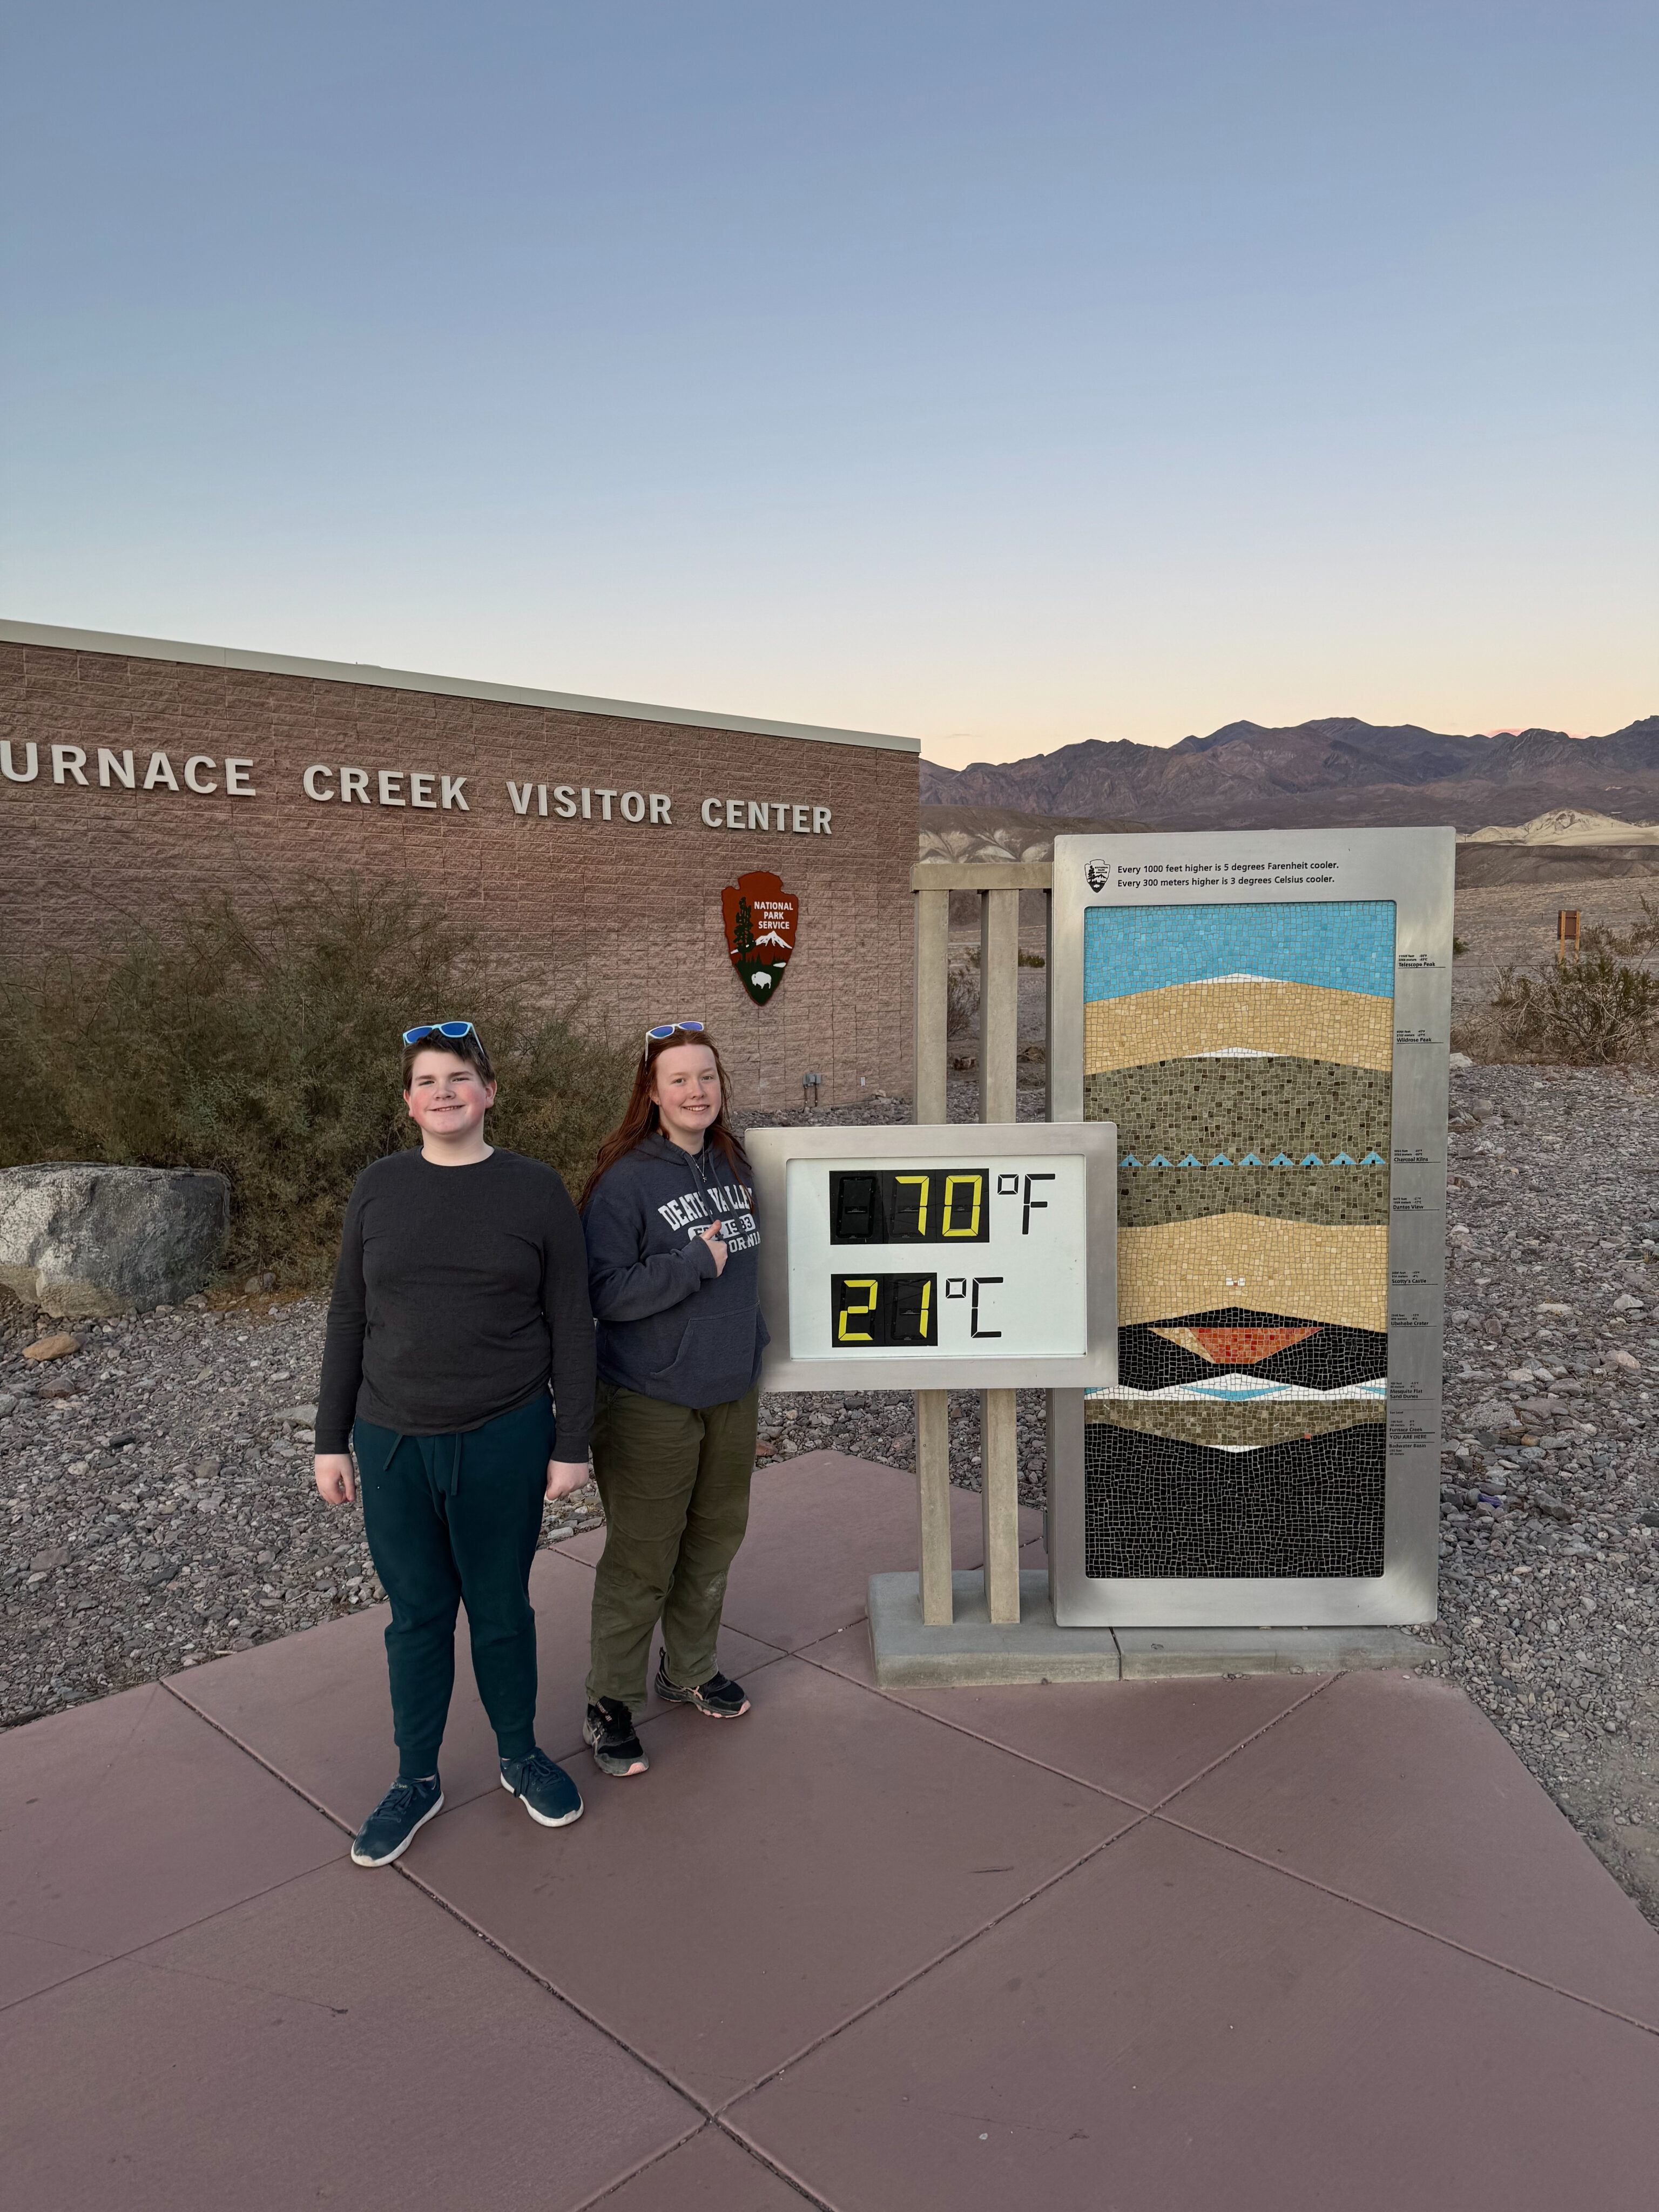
[761, 919]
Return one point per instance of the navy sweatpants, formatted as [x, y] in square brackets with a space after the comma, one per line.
[453, 1521]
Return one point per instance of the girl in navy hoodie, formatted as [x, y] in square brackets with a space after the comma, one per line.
[672, 1267]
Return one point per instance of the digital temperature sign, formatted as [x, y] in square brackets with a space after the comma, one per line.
[908, 1259]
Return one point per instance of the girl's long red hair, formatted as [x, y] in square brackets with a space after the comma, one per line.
[641, 1120]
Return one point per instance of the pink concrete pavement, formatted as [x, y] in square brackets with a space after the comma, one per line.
[1139, 1946]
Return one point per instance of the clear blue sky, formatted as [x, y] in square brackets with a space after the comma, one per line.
[1006, 374]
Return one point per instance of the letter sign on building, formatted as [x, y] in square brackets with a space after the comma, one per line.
[760, 917]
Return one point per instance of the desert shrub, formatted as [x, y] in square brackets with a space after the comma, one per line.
[262, 1041]
[962, 991]
[962, 986]
[1594, 1009]
[1641, 939]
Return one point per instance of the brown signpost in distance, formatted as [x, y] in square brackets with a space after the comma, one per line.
[1566, 932]
[760, 920]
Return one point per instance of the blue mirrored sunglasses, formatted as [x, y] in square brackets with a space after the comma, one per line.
[671, 1029]
[439, 1028]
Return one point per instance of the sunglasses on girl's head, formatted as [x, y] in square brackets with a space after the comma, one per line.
[439, 1028]
[672, 1029]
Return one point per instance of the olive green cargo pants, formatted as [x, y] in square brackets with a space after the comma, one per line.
[674, 1483]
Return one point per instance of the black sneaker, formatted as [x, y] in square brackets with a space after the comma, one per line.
[389, 1828]
[719, 1698]
[610, 1728]
[545, 1790]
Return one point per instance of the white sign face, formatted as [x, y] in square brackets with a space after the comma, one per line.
[962, 1257]
[978, 1257]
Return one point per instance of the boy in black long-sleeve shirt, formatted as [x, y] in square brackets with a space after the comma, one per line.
[461, 1293]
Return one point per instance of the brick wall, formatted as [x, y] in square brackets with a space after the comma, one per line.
[628, 914]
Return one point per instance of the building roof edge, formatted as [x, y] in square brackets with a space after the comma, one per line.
[454, 687]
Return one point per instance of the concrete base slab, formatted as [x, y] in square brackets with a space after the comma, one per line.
[1148, 1652]
[972, 1653]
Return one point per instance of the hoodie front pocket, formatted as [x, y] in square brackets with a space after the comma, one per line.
[717, 1351]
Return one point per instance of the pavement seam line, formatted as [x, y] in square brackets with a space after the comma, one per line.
[1412, 1927]
[939, 1958]
[1244, 1742]
[607, 2189]
[275, 1772]
[444, 1905]
[958, 1728]
[765, 2159]
[738, 2142]
[561, 1996]
[1064, 1773]
[166, 1935]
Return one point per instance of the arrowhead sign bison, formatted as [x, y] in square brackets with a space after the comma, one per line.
[761, 919]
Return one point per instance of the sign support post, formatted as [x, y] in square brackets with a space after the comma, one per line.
[999, 1068]
[933, 1406]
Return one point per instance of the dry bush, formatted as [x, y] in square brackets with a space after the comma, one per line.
[1590, 1011]
[262, 1041]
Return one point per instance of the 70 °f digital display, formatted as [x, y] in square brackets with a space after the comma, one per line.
[910, 1206]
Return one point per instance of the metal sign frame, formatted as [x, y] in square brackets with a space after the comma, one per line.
[939, 1144]
[1413, 868]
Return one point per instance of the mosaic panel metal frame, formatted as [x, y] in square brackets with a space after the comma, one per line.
[1274, 1481]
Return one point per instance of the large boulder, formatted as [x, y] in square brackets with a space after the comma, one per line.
[79, 1238]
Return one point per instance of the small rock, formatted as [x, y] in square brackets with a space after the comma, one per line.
[297, 1416]
[43, 1564]
[52, 1347]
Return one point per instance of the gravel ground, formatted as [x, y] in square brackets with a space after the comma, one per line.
[161, 1509]
[1550, 1492]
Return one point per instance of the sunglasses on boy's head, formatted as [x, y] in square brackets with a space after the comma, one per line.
[439, 1028]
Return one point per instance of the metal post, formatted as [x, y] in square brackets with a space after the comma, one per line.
[933, 1406]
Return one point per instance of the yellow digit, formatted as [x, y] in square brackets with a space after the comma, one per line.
[843, 1334]
[976, 1184]
[926, 1293]
[921, 1182]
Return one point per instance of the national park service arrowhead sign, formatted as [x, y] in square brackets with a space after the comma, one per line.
[761, 917]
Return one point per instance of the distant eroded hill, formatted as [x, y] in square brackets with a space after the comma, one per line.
[1338, 771]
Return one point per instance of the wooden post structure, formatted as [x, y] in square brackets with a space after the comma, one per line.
[998, 886]
[998, 1073]
[933, 1406]
[1566, 934]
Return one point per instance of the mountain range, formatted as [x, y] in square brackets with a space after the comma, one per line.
[1335, 771]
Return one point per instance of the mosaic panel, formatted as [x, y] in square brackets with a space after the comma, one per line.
[1218, 1021]
[1155, 1506]
[1244, 1052]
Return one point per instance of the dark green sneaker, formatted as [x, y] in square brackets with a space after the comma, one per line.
[389, 1828]
[546, 1791]
[718, 1698]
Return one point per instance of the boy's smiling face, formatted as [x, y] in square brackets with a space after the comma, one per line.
[447, 1098]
